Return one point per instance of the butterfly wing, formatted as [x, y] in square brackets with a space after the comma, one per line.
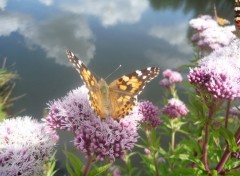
[237, 16]
[90, 82]
[123, 91]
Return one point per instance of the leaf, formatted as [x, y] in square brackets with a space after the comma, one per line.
[73, 164]
[99, 170]
[162, 151]
[229, 137]
[187, 172]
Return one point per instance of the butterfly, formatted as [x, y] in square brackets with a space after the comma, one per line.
[219, 20]
[119, 97]
[237, 15]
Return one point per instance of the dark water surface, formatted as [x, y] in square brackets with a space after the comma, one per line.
[134, 33]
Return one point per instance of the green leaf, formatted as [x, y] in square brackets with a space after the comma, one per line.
[162, 151]
[229, 137]
[50, 166]
[187, 172]
[99, 170]
[73, 164]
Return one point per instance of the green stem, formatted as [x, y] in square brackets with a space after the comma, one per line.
[148, 134]
[226, 154]
[227, 113]
[173, 140]
[87, 166]
[205, 144]
[173, 91]
[173, 134]
[155, 165]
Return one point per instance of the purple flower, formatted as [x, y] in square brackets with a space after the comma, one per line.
[150, 113]
[203, 22]
[234, 111]
[147, 151]
[209, 34]
[170, 78]
[25, 145]
[218, 73]
[115, 171]
[99, 138]
[175, 108]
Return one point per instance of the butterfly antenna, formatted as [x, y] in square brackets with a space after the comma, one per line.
[215, 11]
[113, 71]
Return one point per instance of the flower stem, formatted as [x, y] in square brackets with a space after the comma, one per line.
[205, 144]
[173, 91]
[173, 134]
[227, 153]
[153, 153]
[155, 165]
[227, 113]
[173, 140]
[223, 160]
[87, 166]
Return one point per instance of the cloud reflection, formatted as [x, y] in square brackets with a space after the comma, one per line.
[174, 36]
[109, 12]
[3, 4]
[57, 34]
[164, 59]
[11, 22]
[53, 35]
[46, 2]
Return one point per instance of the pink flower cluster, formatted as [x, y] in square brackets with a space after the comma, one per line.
[150, 113]
[25, 145]
[175, 108]
[99, 138]
[208, 34]
[218, 73]
[170, 78]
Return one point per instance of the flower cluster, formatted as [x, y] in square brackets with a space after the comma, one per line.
[209, 34]
[114, 170]
[150, 113]
[175, 108]
[234, 111]
[25, 145]
[218, 73]
[170, 78]
[98, 138]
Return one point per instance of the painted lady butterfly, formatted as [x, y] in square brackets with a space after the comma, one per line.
[237, 14]
[219, 20]
[119, 97]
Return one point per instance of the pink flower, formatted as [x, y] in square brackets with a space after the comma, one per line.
[115, 171]
[25, 145]
[203, 22]
[175, 108]
[218, 73]
[95, 137]
[170, 78]
[147, 151]
[209, 34]
[234, 111]
[150, 113]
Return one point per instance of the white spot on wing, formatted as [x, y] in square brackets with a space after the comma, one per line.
[139, 73]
